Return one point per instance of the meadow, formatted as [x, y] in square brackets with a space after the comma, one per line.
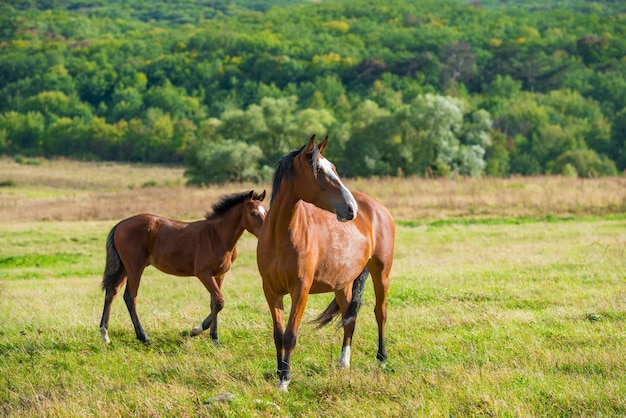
[507, 298]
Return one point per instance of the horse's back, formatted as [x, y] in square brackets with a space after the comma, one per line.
[150, 237]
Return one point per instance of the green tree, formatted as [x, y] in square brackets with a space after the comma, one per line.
[618, 139]
[127, 103]
[585, 163]
[223, 161]
[23, 133]
[172, 100]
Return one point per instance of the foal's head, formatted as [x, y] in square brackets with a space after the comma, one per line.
[249, 205]
[254, 213]
[316, 181]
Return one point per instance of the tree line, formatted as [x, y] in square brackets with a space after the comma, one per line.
[429, 88]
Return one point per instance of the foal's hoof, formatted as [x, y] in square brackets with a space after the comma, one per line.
[216, 342]
[196, 331]
[283, 385]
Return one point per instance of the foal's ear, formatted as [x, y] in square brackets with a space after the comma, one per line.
[323, 145]
[310, 146]
[262, 196]
[250, 195]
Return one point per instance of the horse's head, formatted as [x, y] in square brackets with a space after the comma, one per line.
[254, 213]
[316, 181]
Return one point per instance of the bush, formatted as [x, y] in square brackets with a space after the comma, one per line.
[223, 161]
[584, 162]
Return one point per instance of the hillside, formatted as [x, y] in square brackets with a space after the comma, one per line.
[430, 88]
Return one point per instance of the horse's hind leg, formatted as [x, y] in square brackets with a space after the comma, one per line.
[349, 302]
[111, 293]
[130, 297]
[112, 280]
[343, 298]
[380, 277]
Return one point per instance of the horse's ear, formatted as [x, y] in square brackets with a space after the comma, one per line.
[262, 196]
[250, 195]
[323, 145]
[309, 147]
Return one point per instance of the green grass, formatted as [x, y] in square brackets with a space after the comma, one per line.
[484, 319]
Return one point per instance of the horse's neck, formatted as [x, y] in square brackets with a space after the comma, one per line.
[230, 227]
[283, 208]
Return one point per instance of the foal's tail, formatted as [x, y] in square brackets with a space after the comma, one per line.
[114, 268]
[333, 309]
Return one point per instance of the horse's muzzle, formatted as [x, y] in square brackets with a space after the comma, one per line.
[348, 208]
[347, 213]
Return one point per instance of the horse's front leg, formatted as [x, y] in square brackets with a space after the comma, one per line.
[299, 299]
[277, 311]
[217, 302]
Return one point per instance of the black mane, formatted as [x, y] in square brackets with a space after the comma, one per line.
[284, 168]
[227, 202]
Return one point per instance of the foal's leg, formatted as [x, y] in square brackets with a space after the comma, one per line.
[213, 328]
[130, 297]
[111, 293]
[217, 302]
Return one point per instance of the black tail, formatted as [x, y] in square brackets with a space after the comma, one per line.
[114, 267]
[353, 308]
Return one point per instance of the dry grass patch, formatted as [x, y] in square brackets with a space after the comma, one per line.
[69, 190]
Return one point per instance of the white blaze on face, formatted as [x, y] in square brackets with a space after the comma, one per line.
[327, 168]
[262, 211]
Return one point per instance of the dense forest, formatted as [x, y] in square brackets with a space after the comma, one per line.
[401, 87]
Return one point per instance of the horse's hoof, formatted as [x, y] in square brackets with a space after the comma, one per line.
[283, 385]
[146, 343]
[105, 335]
[344, 358]
[196, 331]
[216, 342]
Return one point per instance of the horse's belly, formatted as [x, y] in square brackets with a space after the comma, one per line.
[342, 257]
[336, 274]
[181, 266]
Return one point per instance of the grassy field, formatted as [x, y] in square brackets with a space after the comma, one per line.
[507, 298]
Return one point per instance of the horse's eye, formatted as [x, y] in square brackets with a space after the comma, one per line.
[253, 214]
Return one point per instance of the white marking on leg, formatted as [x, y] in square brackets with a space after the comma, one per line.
[197, 330]
[283, 385]
[105, 335]
[344, 359]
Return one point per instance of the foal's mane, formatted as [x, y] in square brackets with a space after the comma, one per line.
[284, 167]
[227, 202]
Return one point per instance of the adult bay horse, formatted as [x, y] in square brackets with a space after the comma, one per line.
[320, 237]
[205, 249]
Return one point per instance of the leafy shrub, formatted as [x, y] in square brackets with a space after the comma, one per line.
[223, 161]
